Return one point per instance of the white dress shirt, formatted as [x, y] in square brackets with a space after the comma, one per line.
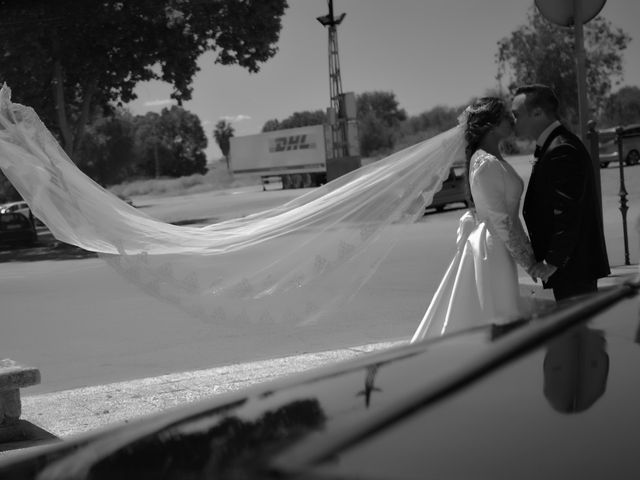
[546, 132]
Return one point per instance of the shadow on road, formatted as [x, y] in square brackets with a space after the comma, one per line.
[48, 248]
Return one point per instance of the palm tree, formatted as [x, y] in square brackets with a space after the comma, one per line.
[222, 133]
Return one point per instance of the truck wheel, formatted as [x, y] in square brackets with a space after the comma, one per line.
[297, 180]
[633, 158]
[306, 180]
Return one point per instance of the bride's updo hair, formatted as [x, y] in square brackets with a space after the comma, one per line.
[481, 116]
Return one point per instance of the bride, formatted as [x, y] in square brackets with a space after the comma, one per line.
[300, 262]
[481, 283]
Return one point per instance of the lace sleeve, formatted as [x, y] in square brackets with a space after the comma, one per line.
[490, 181]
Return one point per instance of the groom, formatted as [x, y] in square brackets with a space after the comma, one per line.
[561, 207]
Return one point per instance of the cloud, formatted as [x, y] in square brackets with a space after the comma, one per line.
[159, 103]
[235, 118]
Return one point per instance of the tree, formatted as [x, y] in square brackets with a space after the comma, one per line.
[223, 133]
[379, 117]
[622, 107]
[271, 125]
[170, 144]
[381, 105]
[542, 52]
[150, 151]
[65, 57]
[374, 135]
[438, 119]
[107, 148]
[297, 119]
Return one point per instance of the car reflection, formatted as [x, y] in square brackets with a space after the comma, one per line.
[576, 368]
[218, 444]
[369, 384]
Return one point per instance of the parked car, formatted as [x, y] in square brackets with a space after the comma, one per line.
[15, 207]
[454, 190]
[609, 145]
[17, 229]
[554, 396]
[20, 207]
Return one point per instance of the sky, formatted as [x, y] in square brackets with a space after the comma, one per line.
[427, 52]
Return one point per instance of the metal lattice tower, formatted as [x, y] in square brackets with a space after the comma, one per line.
[335, 81]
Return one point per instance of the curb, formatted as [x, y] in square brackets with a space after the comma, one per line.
[71, 412]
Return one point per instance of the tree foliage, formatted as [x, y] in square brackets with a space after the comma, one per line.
[542, 52]
[107, 148]
[169, 144]
[382, 105]
[437, 119]
[379, 117]
[622, 107]
[65, 57]
[297, 119]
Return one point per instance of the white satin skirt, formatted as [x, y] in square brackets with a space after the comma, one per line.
[479, 287]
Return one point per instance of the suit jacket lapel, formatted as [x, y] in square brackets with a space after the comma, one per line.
[531, 187]
[554, 133]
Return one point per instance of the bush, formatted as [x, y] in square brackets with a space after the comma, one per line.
[217, 178]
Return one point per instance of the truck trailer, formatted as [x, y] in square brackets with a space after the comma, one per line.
[297, 157]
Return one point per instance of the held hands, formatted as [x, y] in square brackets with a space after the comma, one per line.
[542, 270]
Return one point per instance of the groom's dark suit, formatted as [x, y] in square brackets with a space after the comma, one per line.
[563, 216]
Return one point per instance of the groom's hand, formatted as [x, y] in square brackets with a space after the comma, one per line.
[544, 270]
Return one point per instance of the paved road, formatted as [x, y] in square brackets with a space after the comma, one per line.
[82, 325]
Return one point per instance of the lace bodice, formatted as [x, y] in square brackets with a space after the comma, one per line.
[496, 189]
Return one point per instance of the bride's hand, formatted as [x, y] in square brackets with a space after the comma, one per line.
[542, 271]
[533, 273]
[548, 271]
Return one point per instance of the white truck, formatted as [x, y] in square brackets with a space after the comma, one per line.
[298, 157]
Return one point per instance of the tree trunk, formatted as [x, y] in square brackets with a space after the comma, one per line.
[89, 91]
[57, 85]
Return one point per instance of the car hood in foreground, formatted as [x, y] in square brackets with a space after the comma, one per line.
[545, 397]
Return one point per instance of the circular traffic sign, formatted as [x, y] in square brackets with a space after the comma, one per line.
[561, 12]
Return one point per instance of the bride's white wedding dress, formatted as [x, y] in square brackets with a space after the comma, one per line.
[481, 284]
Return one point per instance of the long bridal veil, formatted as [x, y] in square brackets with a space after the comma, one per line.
[286, 265]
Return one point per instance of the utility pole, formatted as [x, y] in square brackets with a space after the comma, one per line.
[574, 13]
[581, 72]
[338, 127]
[156, 161]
